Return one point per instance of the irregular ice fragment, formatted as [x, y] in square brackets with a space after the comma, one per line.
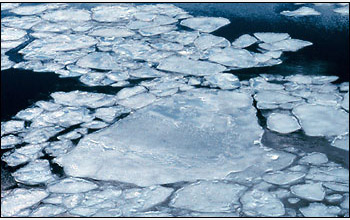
[94, 124]
[338, 187]
[238, 58]
[274, 97]
[35, 172]
[283, 177]
[317, 120]
[334, 198]
[189, 67]
[112, 13]
[316, 209]
[208, 196]
[10, 141]
[110, 113]
[310, 191]
[58, 148]
[47, 210]
[83, 99]
[181, 37]
[111, 32]
[341, 142]
[40, 135]
[30, 9]
[205, 24]
[99, 60]
[328, 174]
[71, 15]
[71, 185]
[314, 158]
[282, 123]
[206, 41]
[223, 81]
[244, 41]
[138, 101]
[345, 103]
[8, 6]
[300, 12]
[289, 45]
[259, 203]
[20, 199]
[269, 37]
[152, 31]
[11, 127]
[342, 10]
[128, 92]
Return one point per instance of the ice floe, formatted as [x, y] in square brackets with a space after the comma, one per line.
[288, 45]
[71, 185]
[283, 178]
[205, 24]
[320, 210]
[314, 159]
[71, 15]
[310, 191]
[269, 37]
[282, 123]
[244, 41]
[300, 12]
[35, 172]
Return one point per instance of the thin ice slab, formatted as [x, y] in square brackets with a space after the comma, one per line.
[205, 24]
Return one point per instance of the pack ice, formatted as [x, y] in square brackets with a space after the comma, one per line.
[195, 135]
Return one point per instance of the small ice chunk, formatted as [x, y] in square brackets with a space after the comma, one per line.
[11, 34]
[29, 114]
[293, 200]
[99, 60]
[300, 12]
[260, 203]
[24, 22]
[40, 135]
[34, 173]
[282, 123]
[334, 198]
[314, 158]
[20, 199]
[47, 210]
[83, 99]
[275, 97]
[146, 72]
[111, 32]
[283, 177]
[338, 187]
[138, 101]
[317, 120]
[289, 45]
[205, 24]
[208, 196]
[10, 141]
[316, 209]
[9, 6]
[71, 15]
[58, 148]
[328, 174]
[344, 87]
[112, 13]
[310, 191]
[269, 37]
[110, 113]
[189, 67]
[345, 103]
[238, 58]
[223, 81]
[319, 80]
[94, 124]
[14, 159]
[300, 79]
[71, 185]
[206, 41]
[342, 10]
[128, 92]
[244, 41]
[181, 37]
[152, 31]
[168, 46]
[12, 127]
[48, 106]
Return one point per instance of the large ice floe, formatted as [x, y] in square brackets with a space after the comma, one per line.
[182, 136]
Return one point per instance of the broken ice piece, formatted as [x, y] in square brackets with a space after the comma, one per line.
[300, 12]
[320, 210]
[10, 141]
[205, 24]
[289, 45]
[283, 177]
[269, 37]
[223, 81]
[310, 191]
[35, 172]
[282, 123]
[71, 185]
[314, 158]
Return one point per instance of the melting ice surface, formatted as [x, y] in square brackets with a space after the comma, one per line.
[185, 139]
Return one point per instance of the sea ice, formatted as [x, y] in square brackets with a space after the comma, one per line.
[47, 210]
[41, 134]
[71, 15]
[341, 142]
[11, 34]
[128, 92]
[83, 99]
[110, 113]
[30, 10]
[300, 12]
[189, 67]
[206, 41]
[244, 41]
[10, 141]
[13, 126]
[275, 97]
[314, 158]
[71, 185]
[152, 31]
[35, 172]
[282, 123]
[342, 10]
[316, 209]
[334, 198]
[9, 6]
[24, 22]
[208, 196]
[58, 148]
[20, 199]
[283, 177]
[99, 60]
[328, 174]
[309, 191]
[181, 37]
[111, 32]
[345, 103]
[223, 81]
[338, 187]
[317, 120]
[269, 37]
[238, 58]
[138, 101]
[289, 45]
[94, 124]
[205, 24]
[114, 13]
[260, 203]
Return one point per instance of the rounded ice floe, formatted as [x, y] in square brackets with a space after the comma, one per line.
[320, 210]
[206, 41]
[30, 9]
[244, 41]
[128, 92]
[113, 13]
[110, 113]
[138, 101]
[111, 32]
[189, 67]
[300, 12]
[300, 79]
[282, 123]
[24, 22]
[309, 191]
[274, 97]
[181, 37]
[152, 31]
[71, 185]
[223, 81]
[317, 120]
[328, 174]
[35, 172]
[270, 37]
[259, 203]
[47, 210]
[99, 60]
[205, 24]
[289, 45]
[334, 198]
[283, 177]
[8, 6]
[314, 158]
[338, 187]
[20, 199]
[208, 196]
[238, 58]
[10, 34]
[72, 15]
[41, 134]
